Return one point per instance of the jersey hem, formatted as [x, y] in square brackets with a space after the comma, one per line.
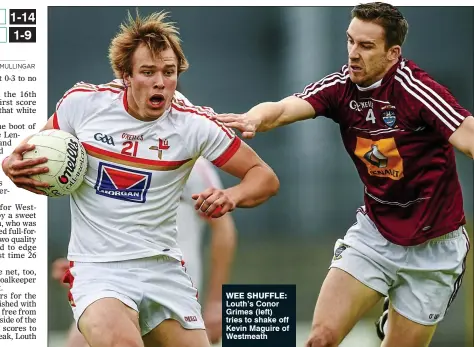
[418, 240]
[122, 257]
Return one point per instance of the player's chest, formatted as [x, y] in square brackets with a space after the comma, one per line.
[378, 116]
[134, 163]
[372, 116]
[381, 134]
[131, 141]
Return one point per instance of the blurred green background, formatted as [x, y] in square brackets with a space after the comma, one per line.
[240, 56]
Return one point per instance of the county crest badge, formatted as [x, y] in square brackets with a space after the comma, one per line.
[389, 115]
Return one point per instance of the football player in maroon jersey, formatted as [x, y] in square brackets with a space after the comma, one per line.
[399, 126]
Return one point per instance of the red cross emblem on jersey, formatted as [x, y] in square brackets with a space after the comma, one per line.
[162, 146]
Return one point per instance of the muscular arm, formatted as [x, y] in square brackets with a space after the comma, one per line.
[258, 184]
[270, 115]
[463, 137]
[258, 181]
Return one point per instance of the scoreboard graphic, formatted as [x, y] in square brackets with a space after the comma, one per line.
[17, 25]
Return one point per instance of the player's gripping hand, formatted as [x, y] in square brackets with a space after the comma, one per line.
[242, 122]
[214, 202]
[19, 170]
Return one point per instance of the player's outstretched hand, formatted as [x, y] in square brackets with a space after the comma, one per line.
[213, 202]
[213, 321]
[19, 170]
[241, 122]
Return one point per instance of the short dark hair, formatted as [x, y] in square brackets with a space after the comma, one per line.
[388, 17]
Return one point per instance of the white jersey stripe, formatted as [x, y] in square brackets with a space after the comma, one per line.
[460, 117]
[395, 203]
[425, 103]
[324, 86]
[309, 88]
[199, 111]
[326, 78]
[379, 131]
[206, 109]
[443, 110]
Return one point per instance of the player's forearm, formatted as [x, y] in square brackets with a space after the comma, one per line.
[222, 255]
[258, 185]
[266, 116]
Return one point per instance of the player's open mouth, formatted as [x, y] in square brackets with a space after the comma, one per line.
[356, 68]
[156, 100]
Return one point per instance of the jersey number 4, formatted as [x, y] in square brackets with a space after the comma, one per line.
[370, 116]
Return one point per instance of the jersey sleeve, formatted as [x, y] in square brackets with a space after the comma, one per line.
[203, 176]
[207, 137]
[71, 108]
[214, 141]
[439, 109]
[323, 94]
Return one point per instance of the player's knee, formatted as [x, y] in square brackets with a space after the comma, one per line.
[111, 336]
[322, 336]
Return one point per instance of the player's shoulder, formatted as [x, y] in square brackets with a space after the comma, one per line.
[331, 82]
[83, 92]
[413, 76]
[188, 118]
[335, 78]
[184, 111]
[416, 84]
[182, 104]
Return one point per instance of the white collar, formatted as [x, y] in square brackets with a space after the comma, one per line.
[373, 86]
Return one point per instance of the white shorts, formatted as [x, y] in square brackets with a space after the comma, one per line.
[158, 288]
[421, 281]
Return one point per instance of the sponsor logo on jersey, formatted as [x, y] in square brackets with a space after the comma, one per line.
[131, 137]
[104, 138]
[381, 157]
[190, 319]
[122, 183]
[375, 157]
[360, 105]
[162, 146]
[389, 116]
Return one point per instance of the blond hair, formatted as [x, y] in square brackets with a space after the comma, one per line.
[152, 31]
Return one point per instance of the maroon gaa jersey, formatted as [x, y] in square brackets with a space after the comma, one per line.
[397, 132]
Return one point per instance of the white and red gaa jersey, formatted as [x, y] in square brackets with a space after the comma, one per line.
[127, 206]
[191, 223]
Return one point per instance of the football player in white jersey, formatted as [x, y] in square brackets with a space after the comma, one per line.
[191, 225]
[128, 285]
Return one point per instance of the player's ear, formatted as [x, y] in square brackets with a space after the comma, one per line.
[126, 79]
[394, 52]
